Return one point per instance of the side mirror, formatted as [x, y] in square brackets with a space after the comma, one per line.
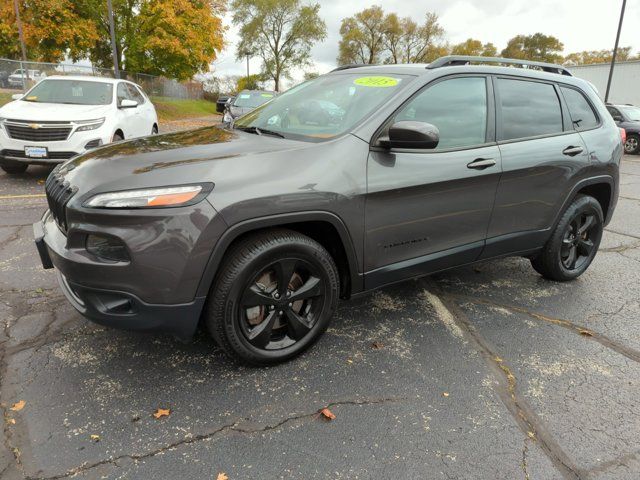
[17, 96]
[617, 118]
[126, 103]
[411, 134]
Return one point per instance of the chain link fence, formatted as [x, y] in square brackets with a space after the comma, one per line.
[21, 76]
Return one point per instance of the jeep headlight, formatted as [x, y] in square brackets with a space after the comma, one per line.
[178, 196]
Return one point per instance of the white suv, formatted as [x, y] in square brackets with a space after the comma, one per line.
[22, 77]
[62, 117]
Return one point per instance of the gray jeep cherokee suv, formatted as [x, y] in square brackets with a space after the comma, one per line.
[259, 229]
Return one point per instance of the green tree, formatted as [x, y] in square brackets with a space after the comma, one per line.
[251, 82]
[280, 32]
[175, 38]
[370, 36]
[538, 47]
[475, 48]
[362, 37]
[310, 75]
[598, 56]
[52, 30]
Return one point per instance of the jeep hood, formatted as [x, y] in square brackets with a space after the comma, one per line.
[203, 155]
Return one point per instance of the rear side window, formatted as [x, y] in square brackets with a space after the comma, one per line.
[457, 107]
[582, 115]
[528, 109]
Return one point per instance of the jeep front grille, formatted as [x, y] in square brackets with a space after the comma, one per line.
[59, 192]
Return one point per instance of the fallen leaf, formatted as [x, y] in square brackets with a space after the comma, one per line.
[349, 360]
[586, 333]
[222, 476]
[162, 412]
[445, 394]
[12, 421]
[16, 407]
[377, 345]
[95, 438]
[328, 414]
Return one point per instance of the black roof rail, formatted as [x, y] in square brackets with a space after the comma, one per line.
[351, 65]
[452, 60]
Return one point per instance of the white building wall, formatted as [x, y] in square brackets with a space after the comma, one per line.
[625, 86]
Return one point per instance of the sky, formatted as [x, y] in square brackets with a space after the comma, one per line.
[579, 24]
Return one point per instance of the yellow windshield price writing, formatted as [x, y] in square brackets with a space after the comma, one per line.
[378, 82]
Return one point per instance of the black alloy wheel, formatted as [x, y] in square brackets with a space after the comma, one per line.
[577, 244]
[274, 295]
[573, 243]
[280, 306]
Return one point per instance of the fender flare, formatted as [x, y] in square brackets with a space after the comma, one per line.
[585, 182]
[234, 231]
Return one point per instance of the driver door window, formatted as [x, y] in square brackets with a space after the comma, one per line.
[457, 107]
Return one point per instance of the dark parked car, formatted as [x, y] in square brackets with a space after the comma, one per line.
[628, 117]
[246, 101]
[259, 229]
[222, 101]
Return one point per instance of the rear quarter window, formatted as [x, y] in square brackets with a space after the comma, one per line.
[528, 109]
[582, 115]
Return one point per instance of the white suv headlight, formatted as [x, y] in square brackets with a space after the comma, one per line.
[151, 197]
[90, 124]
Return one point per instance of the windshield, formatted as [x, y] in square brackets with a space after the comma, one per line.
[324, 107]
[633, 113]
[248, 99]
[71, 92]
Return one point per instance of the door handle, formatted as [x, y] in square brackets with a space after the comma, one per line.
[573, 151]
[481, 163]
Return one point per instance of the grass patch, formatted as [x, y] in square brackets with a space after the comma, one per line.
[5, 98]
[175, 109]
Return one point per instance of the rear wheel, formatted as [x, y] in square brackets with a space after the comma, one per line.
[273, 298]
[117, 137]
[632, 145]
[154, 130]
[574, 242]
[15, 168]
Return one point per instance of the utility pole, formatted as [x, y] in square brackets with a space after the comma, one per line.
[247, 64]
[112, 30]
[22, 46]
[615, 51]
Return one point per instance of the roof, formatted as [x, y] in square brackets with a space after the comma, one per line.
[463, 64]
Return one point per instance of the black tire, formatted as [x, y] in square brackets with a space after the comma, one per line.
[632, 145]
[117, 137]
[273, 337]
[574, 242]
[154, 130]
[15, 169]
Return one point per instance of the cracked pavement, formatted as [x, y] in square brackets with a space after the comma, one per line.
[482, 372]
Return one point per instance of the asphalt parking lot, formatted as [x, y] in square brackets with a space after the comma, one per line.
[484, 372]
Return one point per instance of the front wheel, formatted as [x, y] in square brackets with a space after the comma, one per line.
[574, 242]
[273, 297]
[632, 145]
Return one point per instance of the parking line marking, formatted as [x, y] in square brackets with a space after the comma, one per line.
[33, 195]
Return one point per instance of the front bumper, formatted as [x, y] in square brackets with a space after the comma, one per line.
[131, 295]
[12, 150]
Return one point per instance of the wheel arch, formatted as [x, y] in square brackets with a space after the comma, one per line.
[602, 188]
[324, 227]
